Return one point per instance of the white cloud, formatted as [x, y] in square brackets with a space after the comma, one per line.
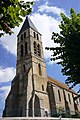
[9, 42]
[50, 9]
[52, 62]
[4, 91]
[7, 74]
[46, 25]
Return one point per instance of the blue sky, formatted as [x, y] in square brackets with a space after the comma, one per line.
[46, 18]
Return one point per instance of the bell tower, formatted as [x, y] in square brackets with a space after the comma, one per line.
[32, 69]
[29, 87]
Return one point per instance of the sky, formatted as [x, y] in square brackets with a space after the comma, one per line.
[46, 18]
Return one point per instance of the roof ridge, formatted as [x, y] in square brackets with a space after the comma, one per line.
[60, 84]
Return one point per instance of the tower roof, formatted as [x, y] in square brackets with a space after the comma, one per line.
[27, 24]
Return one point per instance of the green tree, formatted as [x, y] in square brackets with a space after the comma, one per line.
[11, 13]
[68, 51]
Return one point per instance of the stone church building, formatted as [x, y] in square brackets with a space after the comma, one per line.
[33, 93]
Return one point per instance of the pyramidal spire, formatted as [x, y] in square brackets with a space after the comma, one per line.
[27, 24]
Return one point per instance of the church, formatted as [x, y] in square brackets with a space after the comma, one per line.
[33, 93]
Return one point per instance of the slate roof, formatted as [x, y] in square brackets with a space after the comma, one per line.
[62, 85]
[27, 24]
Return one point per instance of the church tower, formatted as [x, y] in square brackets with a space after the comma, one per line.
[31, 69]
[30, 83]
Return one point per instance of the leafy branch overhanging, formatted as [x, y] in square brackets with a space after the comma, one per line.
[11, 13]
[68, 51]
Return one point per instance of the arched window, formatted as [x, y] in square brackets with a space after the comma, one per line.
[39, 68]
[39, 50]
[37, 37]
[26, 51]
[22, 37]
[24, 34]
[59, 95]
[34, 34]
[42, 88]
[35, 51]
[24, 68]
[21, 50]
[69, 98]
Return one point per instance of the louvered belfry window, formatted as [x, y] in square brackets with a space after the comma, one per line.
[39, 68]
[21, 50]
[39, 50]
[35, 51]
[26, 50]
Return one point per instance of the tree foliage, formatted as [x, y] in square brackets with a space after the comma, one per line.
[11, 13]
[69, 47]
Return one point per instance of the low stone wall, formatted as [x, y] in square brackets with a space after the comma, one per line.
[37, 118]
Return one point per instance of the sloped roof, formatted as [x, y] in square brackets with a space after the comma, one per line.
[27, 24]
[62, 85]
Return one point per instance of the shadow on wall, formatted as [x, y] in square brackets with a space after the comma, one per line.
[37, 110]
[52, 100]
